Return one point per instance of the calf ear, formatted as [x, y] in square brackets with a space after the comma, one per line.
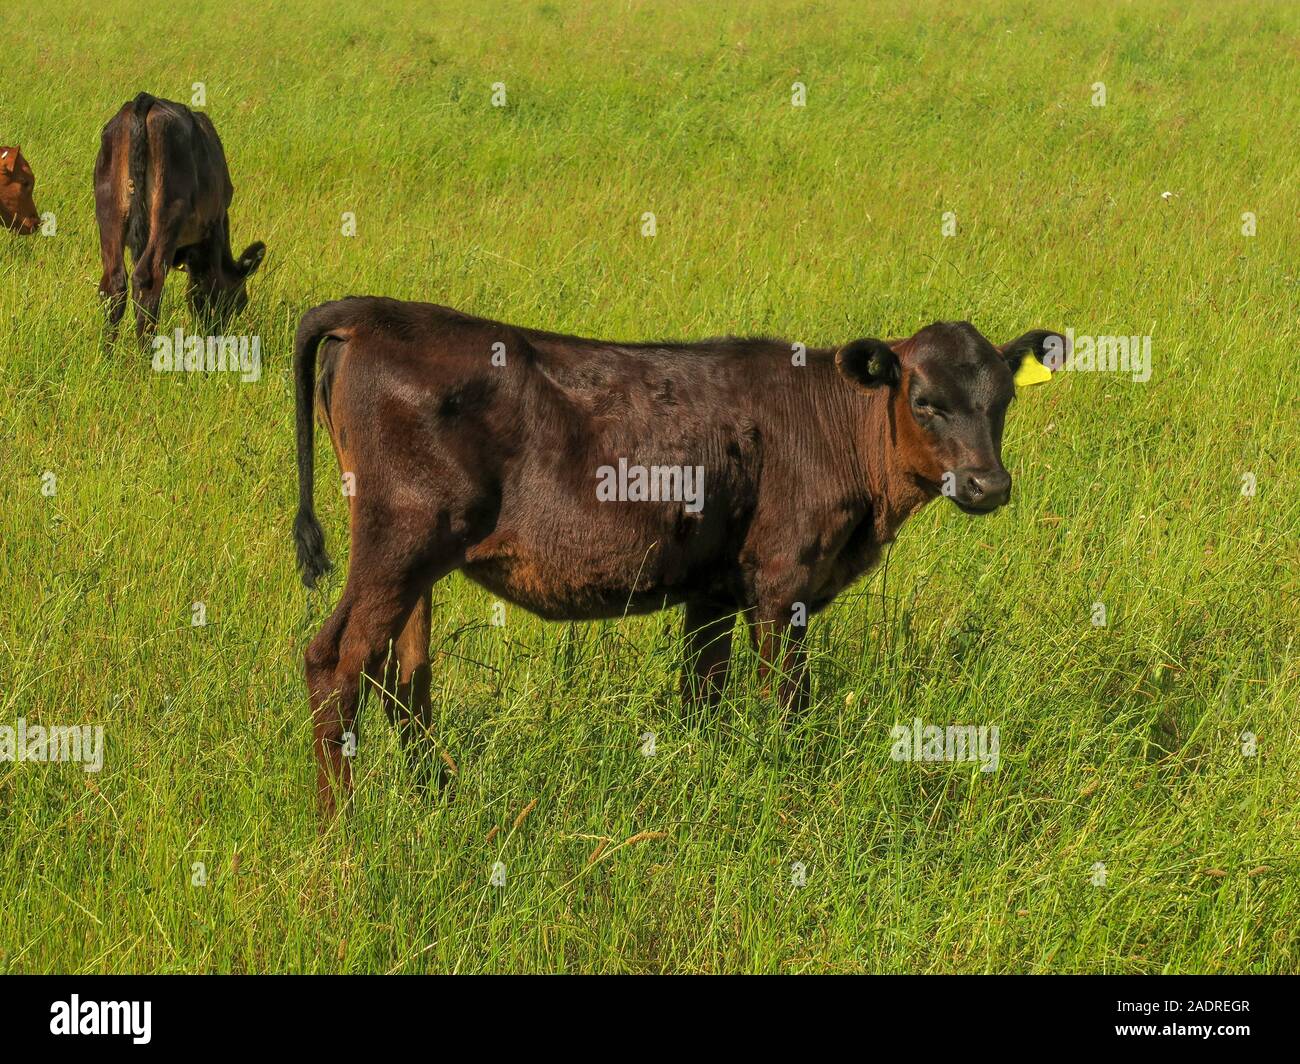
[252, 257]
[1047, 348]
[9, 159]
[868, 363]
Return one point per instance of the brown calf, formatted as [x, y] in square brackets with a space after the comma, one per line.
[520, 458]
[162, 189]
[17, 210]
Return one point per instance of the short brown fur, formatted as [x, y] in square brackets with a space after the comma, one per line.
[163, 191]
[17, 208]
[463, 459]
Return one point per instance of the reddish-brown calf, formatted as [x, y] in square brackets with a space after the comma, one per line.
[162, 189]
[17, 209]
[584, 479]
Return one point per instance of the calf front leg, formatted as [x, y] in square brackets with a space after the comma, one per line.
[707, 628]
[777, 632]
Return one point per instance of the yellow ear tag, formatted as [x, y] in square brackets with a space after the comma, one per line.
[1031, 371]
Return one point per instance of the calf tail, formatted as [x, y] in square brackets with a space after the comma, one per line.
[137, 168]
[316, 325]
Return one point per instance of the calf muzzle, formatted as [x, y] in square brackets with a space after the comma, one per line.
[981, 491]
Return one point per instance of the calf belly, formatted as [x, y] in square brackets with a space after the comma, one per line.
[600, 561]
[541, 592]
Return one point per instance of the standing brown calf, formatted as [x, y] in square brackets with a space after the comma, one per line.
[17, 210]
[162, 189]
[513, 455]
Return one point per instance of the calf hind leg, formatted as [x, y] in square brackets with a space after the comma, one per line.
[150, 272]
[353, 639]
[384, 586]
[110, 214]
[407, 694]
[112, 290]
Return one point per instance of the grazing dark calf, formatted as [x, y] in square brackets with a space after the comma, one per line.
[582, 479]
[17, 210]
[162, 189]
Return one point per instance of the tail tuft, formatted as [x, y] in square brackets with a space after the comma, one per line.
[315, 325]
[313, 562]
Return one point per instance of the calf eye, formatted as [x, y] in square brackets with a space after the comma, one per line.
[928, 408]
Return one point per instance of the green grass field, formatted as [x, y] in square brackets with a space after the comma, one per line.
[1121, 745]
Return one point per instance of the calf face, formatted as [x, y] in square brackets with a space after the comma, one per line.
[17, 209]
[950, 392]
[218, 289]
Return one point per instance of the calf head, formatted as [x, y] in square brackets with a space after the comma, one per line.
[17, 211]
[949, 392]
[218, 291]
